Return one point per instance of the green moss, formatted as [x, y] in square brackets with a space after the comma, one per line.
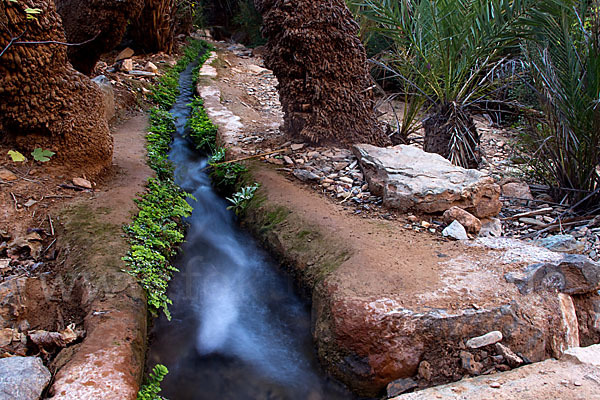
[97, 246]
[301, 247]
[303, 234]
[274, 218]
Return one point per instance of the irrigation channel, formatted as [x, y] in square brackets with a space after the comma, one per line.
[238, 330]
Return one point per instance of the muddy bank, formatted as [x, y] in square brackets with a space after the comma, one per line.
[385, 304]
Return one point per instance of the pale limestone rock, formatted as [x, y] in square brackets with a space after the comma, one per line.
[456, 231]
[485, 340]
[410, 179]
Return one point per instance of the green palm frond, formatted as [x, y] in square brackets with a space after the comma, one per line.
[450, 53]
[563, 54]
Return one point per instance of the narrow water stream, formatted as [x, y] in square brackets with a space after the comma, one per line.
[238, 328]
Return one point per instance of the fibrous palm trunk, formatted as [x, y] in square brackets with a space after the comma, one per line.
[44, 102]
[154, 29]
[324, 83]
[451, 133]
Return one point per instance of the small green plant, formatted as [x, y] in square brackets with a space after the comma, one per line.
[202, 131]
[42, 155]
[156, 233]
[165, 92]
[225, 175]
[242, 198]
[16, 156]
[151, 390]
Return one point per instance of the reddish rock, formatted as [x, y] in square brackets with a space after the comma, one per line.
[469, 364]
[471, 223]
[518, 190]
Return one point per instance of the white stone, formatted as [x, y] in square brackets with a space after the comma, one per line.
[584, 355]
[491, 228]
[456, 231]
[150, 67]
[485, 340]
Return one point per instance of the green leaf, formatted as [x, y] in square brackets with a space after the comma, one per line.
[42, 155]
[33, 10]
[16, 156]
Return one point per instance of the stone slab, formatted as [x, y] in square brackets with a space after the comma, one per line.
[22, 378]
[563, 379]
[409, 179]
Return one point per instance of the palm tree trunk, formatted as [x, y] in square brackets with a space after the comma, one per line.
[155, 28]
[451, 132]
[324, 83]
[44, 102]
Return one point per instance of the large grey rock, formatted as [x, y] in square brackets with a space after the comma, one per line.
[22, 378]
[410, 179]
[108, 95]
[572, 274]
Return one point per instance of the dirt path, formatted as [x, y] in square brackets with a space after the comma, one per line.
[130, 171]
[109, 363]
[387, 259]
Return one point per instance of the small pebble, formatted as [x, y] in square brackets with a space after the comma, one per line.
[495, 385]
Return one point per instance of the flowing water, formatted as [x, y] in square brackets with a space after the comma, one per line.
[238, 328]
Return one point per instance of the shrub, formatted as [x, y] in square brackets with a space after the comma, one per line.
[563, 142]
[446, 51]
